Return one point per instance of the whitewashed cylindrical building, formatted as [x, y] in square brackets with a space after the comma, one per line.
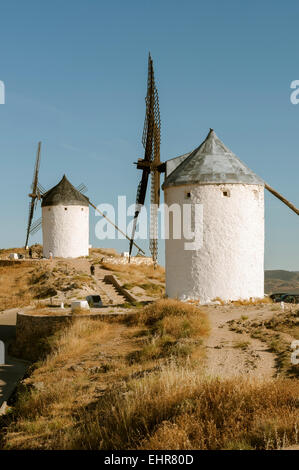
[65, 221]
[227, 201]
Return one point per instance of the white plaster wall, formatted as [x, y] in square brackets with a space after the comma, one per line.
[65, 232]
[230, 264]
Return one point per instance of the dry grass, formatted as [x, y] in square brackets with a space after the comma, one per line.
[63, 384]
[80, 311]
[21, 285]
[277, 332]
[147, 277]
[175, 408]
[251, 301]
[100, 252]
[246, 302]
[45, 312]
[241, 345]
[14, 281]
[85, 395]
[150, 288]
[36, 251]
[174, 329]
[233, 414]
[172, 308]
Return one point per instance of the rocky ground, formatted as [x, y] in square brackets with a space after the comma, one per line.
[241, 340]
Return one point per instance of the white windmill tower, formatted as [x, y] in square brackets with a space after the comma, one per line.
[65, 221]
[228, 263]
[229, 260]
[65, 217]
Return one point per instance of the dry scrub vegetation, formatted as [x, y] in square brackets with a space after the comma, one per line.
[21, 285]
[14, 284]
[277, 332]
[245, 302]
[146, 277]
[91, 392]
[173, 329]
[47, 281]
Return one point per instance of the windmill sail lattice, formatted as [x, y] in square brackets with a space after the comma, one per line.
[35, 193]
[149, 164]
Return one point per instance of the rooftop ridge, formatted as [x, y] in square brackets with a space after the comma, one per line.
[211, 162]
[64, 193]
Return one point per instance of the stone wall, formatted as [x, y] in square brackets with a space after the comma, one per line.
[137, 260]
[33, 330]
[7, 262]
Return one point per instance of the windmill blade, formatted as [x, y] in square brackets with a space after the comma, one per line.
[155, 202]
[153, 244]
[155, 181]
[36, 170]
[82, 188]
[35, 193]
[282, 199]
[41, 189]
[30, 217]
[147, 141]
[115, 226]
[140, 198]
[35, 227]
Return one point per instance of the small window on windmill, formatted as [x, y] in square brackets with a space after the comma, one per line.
[187, 195]
[256, 194]
[65, 208]
[226, 193]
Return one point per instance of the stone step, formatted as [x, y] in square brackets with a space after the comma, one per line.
[109, 294]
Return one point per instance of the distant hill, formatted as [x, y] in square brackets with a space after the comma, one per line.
[282, 281]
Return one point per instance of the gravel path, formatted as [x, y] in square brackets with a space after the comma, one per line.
[230, 354]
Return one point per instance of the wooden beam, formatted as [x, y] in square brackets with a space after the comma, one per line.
[281, 198]
[144, 164]
[115, 226]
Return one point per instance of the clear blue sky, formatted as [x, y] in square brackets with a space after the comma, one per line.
[75, 76]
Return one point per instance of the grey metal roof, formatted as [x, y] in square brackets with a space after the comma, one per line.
[65, 194]
[211, 162]
[174, 162]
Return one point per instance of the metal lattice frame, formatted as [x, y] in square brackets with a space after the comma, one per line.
[151, 141]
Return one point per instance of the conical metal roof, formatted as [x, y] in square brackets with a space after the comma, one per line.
[211, 163]
[64, 193]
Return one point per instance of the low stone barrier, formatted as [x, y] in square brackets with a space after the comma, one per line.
[15, 262]
[137, 260]
[32, 331]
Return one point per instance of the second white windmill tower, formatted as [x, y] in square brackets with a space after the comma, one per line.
[65, 221]
[65, 217]
[229, 263]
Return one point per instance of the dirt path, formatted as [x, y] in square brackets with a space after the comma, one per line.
[229, 354]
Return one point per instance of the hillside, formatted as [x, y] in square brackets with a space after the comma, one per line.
[281, 281]
[167, 376]
[158, 373]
